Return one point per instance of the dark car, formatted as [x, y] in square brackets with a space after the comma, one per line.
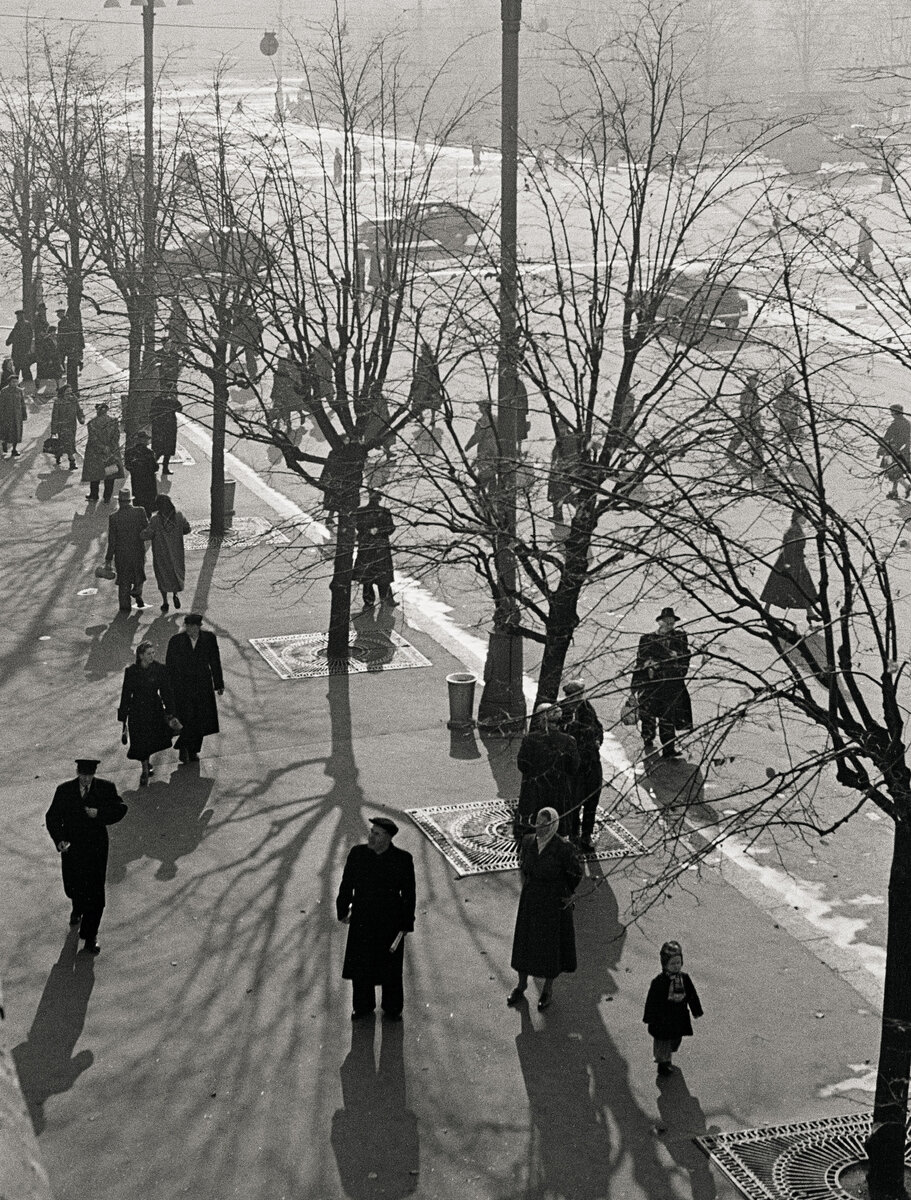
[431, 230]
[699, 301]
[203, 255]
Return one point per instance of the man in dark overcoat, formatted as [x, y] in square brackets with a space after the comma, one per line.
[548, 760]
[70, 346]
[194, 664]
[376, 901]
[101, 460]
[165, 405]
[77, 821]
[143, 467]
[373, 564]
[662, 661]
[895, 454]
[581, 722]
[127, 550]
[20, 340]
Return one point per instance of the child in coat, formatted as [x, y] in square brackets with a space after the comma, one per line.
[671, 998]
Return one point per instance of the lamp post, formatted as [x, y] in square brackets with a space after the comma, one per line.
[503, 699]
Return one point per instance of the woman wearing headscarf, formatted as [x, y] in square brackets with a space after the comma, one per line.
[147, 709]
[544, 943]
[166, 530]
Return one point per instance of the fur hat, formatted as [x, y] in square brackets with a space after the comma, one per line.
[670, 950]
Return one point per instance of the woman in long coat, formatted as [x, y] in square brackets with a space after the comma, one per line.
[789, 584]
[146, 708]
[12, 413]
[65, 415]
[544, 943]
[166, 531]
[102, 449]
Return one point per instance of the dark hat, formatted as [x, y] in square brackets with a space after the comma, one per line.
[87, 766]
[668, 614]
[101, 405]
[125, 496]
[192, 619]
[896, 408]
[670, 950]
[140, 436]
[384, 823]
[572, 686]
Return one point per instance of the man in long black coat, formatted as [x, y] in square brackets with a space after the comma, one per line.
[143, 467]
[194, 664]
[77, 821]
[662, 661]
[126, 550]
[374, 554]
[548, 760]
[20, 340]
[376, 900]
[581, 722]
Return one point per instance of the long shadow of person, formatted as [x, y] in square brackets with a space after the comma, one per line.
[168, 821]
[111, 646]
[683, 1119]
[375, 1136]
[161, 630]
[501, 754]
[52, 484]
[372, 640]
[45, 1061]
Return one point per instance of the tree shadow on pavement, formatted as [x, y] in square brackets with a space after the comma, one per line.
[167, 821]
[683, 1120]
[372, 640]
[501, 754]
[205, 576]
[111, 648]
[45, 1061]
[375, 1135]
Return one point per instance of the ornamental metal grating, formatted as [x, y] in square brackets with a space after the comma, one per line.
[477, 838]
[244, 532]
[303, 655]
[808, 1160]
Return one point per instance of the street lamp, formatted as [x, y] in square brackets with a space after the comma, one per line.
[503, 699]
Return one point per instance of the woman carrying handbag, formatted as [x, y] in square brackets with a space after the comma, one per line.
[147, 709]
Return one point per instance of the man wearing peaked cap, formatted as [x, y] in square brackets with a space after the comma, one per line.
[77, 821]
[376, 900]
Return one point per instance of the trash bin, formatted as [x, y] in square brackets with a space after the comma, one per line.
[230, 489]
[461, 699]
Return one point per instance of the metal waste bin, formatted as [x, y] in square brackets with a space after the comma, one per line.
[230, 489]
[461, 699]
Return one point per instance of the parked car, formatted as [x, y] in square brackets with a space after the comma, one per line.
[436, 229]
[203, 254]
[699, 300]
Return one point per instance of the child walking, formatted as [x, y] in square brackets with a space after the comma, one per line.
[671, 998]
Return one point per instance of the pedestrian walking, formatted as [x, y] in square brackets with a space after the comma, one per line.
[165, 406]
[48, 368]
[358, 161]
[70, 346]
[376, 900]
[101, 461]
[544, 942]
[322, 372]
[12, 413]
[475, 157]
[194, 664]
[895, 456]
[486, 445]
[658, 684]
[143, 467]
[787, 408]
[671, 999]
[178, 327]
[338, 170]
[146, 709]
[548, 760]
[285, 398]
[77, 821]
[41, 323]
[65, 415]
[126, 550]
[373, 565]
[748, 426]
[20, 341]
[789, 584]
[864, 247]
[426, 392]
[581, 722]
[564, 463]
[165, 531]
[246, 338]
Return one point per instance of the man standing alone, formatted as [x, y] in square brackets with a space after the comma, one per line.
[77, 821]
[662, 662]
[194, 663]
[581, 722]
[376, 901]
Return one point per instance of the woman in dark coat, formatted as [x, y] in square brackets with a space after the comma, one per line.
[789, 584]
[65, 415]
[12, 413]
[48, 367]
[194, 665]
[671, 998]
[548, 760]
[146, 708]
[373, 564]
[426, 392]
[544, 943]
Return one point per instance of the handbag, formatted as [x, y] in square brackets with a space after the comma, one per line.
[51, 444]
[629, 713]
[174, 725]
[111, 469]
[105, 571]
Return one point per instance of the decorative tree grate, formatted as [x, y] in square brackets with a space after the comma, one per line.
[303, 655]
[809, 1160]
[477, 838]
[244, 532]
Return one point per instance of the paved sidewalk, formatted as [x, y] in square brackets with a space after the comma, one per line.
[207, 1052]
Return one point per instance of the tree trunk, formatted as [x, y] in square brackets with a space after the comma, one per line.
[340, 591]
[28, 282]
[132, 414]
[886, 1144]
[74, 302]
[563, 611]
[219, 422]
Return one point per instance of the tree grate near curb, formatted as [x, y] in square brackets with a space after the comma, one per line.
[808, 1160]
[303, 655]
[244, 532]
[477, 838]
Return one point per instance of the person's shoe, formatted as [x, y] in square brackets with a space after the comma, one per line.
[192, 758]
[72, 466]
[671, 754]
[140, 603]
[392, 1016]
[544, 1002]
[176, 600]
[151, 770]
[91, 497]
[666, 1069]
[361, 1016]
[167, 471]
[14, 454]
[92, 947]
[165, 607]
[649, 745]
[390, 602]
[75, 916]
[516, 996]
[56, 462]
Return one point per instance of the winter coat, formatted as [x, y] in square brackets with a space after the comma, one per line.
[426, 392]
[662, 661]
[64, 417]
[143, 466]
[166, 535]
[146, 703]
[581, 722]
[544, 941]
[47, 357]
[195, 677]
[380, 892]
[69, 338]
[564, 463]
[163, 418]
[84, 865]
[12, 413]
[20, 341]
[126, 549]
[484, 437]
[374, 554]
[789, 584]
[895, 456]
[102, 447]
[548, 761]
[667, 1020]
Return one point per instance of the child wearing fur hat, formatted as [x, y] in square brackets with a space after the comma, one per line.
[671, 998]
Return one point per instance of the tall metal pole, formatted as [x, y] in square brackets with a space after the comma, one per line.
[148, 189]
[503, 699]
